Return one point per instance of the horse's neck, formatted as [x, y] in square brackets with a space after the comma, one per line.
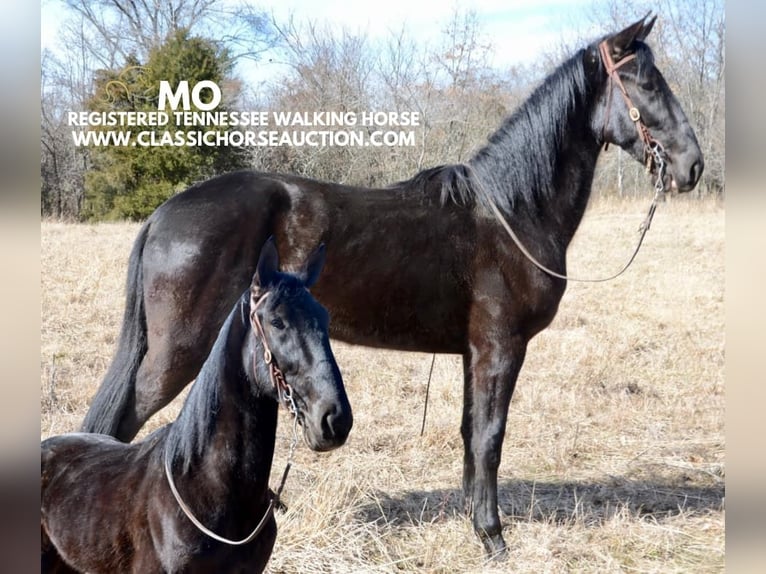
[573, 182]
[560, 212]
[231, 431]
[245, 435]
[539, 171]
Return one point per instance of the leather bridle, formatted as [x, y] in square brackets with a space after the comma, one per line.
[283, 388]
[654, 157]
[285, 395]
[654, 152]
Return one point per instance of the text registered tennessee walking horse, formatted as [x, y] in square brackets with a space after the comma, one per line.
[423, 265]
[166, 503]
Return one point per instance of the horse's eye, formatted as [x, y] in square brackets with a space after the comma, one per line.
[278, 323]
[647, 84]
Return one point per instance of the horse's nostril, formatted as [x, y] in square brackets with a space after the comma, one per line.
[328, 428]
[695, 172]
[336, 424]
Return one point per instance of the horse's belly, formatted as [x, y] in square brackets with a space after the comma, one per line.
[403, 315]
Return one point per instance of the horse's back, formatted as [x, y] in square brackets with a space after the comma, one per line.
[398, 247]
[236, 194]
[72, 462]
[74, 446]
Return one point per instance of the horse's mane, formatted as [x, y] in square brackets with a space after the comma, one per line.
[448, 184]
[518, 163]
[188, 434]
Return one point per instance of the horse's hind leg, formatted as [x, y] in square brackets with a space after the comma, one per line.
[195, 264]
[183, 316]
[165, 370]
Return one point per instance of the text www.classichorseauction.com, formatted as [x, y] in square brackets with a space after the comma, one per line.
[249, 128]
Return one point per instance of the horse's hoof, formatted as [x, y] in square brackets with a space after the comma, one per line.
[494, 547]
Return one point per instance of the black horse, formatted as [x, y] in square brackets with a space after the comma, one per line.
[113, 507]
[423, 265]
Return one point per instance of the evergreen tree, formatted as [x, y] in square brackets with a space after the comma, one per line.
[130, 181]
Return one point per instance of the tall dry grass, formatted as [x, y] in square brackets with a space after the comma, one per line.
[614, 452]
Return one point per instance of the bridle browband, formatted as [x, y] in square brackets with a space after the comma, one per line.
[284, 396]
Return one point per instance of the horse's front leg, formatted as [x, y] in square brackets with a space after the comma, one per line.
[491, 369]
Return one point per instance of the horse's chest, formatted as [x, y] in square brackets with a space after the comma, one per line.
[205, 556]
[518, 295]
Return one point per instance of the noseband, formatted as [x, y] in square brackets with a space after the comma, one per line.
[654, 153]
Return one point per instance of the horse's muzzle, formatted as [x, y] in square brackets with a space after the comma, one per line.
[328, 428]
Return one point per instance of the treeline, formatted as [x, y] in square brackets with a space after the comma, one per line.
[458, 96]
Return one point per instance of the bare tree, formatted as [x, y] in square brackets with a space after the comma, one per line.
[693, 43]
[329, 71]
[459, 99]
[121, 28]
[62, 165]
[464, 97]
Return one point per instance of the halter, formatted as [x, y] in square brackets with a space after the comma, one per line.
[285, 395]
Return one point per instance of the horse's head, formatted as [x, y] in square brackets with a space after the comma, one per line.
[293, 327]
[631, 80]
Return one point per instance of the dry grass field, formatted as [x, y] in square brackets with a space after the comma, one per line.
[614, 452]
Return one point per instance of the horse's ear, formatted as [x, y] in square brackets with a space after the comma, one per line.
[648, 25]
[267, 269]
[311, 269]
[620, 44]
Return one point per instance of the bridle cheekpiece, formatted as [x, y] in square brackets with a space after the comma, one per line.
[654, 153]
[283, 388]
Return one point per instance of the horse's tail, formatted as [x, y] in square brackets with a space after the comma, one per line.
[108, 407]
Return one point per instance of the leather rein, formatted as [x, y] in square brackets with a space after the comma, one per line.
[654, 156]
[285, 396]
